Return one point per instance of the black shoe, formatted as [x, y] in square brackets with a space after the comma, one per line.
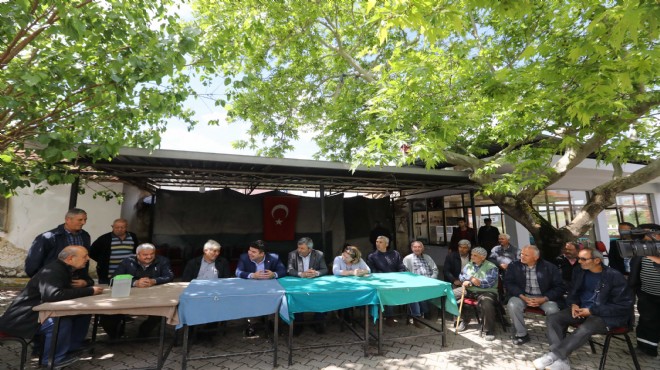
[250, 331]
[84, 348]
[646, 351]
[520, 340]
[319, 329]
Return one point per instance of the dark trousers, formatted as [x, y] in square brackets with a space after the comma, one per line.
[486, 305]
[563, 345]
[70, 337]
[318, 316]
[648, 327]
[112, 324]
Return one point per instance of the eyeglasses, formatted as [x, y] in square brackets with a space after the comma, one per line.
[584, 259]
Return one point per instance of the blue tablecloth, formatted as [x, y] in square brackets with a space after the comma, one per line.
[205, 301]
[325, 293]
[396, 288]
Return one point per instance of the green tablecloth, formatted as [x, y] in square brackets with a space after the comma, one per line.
[325, 293]
[397, 288]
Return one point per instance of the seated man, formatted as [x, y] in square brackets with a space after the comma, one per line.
[308, 263]
[600, 299]
[257, 264]
[147, 269]
[504, 253]
[455, 262]
[531, 282]
[421, 264]
[52, 284]
[479, 279]
[384, 259]
[209, 266]
[567, 262]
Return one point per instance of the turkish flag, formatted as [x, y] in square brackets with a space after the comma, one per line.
[280, 214]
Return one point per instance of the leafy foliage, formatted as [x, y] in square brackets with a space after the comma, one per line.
[449, 80]
[84, 78]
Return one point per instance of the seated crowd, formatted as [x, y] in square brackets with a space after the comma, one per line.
[577, 290]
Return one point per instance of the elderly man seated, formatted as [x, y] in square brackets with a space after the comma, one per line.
[504, 253]
[53, 283]
[209, 266]
[147, 269]
[531, 282]
[308, 263]
[421, 264]
[479, 280]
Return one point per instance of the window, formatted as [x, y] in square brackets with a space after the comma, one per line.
[560, 206]
[434, 220]
[633, 208]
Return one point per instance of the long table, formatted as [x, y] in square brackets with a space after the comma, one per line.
[398, 288]
[206, 301]
[323, 294]
[159, 300]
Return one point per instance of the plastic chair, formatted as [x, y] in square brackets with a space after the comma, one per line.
[615, 333]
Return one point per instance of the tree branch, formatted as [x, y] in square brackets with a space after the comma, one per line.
[605, 195]
[342, 53]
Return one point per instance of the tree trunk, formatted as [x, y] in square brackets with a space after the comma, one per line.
[547, 238]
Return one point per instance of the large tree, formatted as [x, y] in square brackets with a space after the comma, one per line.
[84, 78]
[547, 83]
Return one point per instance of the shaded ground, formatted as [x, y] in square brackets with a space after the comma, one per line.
[466, 350]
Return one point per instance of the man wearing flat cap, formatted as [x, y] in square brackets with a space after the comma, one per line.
[479, 281]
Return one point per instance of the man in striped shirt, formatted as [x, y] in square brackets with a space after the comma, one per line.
[645, 280]
[111, 248]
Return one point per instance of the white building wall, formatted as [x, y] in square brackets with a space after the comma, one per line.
[519, 235]
[30, 214]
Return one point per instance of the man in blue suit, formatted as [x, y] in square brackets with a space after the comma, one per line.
[257, 264]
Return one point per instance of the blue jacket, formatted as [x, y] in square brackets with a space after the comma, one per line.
[47, 246]
[159, 269]
[547, 274]
[271, 262]
[614, 298]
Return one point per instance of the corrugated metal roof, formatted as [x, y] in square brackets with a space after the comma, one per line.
[152, 170]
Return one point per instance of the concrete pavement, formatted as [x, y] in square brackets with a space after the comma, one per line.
[467, 350]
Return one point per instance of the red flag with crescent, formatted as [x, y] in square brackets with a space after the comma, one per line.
[280, 215]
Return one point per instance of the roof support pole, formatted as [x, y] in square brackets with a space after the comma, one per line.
[73, 194]
[323, 241]
[474, 215]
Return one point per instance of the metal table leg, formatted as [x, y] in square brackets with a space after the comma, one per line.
[184, 359]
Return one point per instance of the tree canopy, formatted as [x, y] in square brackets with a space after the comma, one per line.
[546, 83]
[84, 78]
